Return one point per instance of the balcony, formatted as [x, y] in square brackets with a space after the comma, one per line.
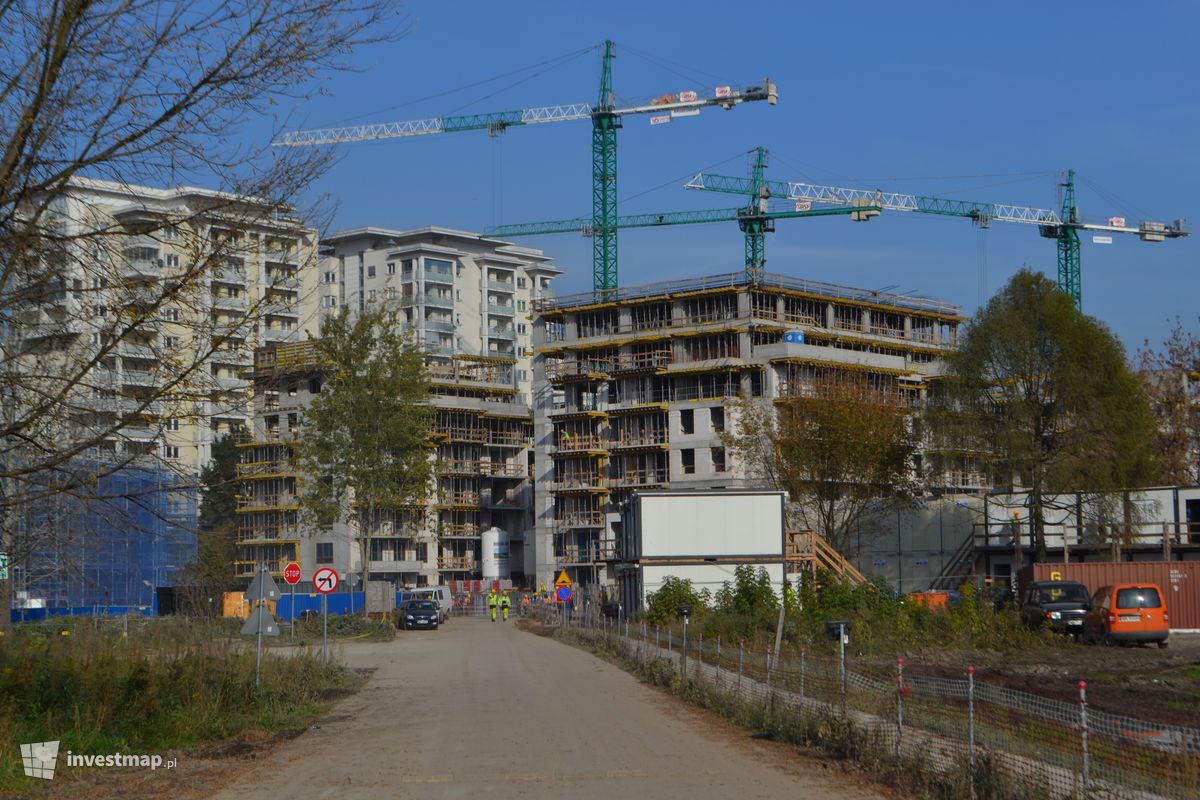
[634, 478]
[280, 308]
[578, 481]
[456, 563]
[230, 383]
[458, 499]
[573, 555]
[439, 349]
[281, 256]
[280, 334]
[138, 377]
[503, 310]
[580, 519]
[131, 350]
[440, 325]
[578, 444]
[507, 334]
[502, 286]
[288, 282]
[224, 301]
[388, 563]
[268, 502]
[438, 276]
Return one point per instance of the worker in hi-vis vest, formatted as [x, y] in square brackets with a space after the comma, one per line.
[504, 604]
[492, 603]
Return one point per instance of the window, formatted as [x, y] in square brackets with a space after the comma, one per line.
[293, 421]
[291, 390]
[522, 375]
[718, 459]
[392, 293]
[520, 283]
[330, 301]
[330, 277]
[170, 342]
[391, 268]
[324, 552]
[687, 421]
[100, 310]
[172, 424]
[172, 315]
[520, 305]
[370, 295]
[717, 416]
[170, 451]
[371, 271]
[687, 459]
[520, 327]
[406, 268]
[314, 385]
[172, 261]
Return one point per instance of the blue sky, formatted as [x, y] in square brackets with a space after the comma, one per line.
[973, 101]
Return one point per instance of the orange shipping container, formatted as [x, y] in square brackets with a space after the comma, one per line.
[1179, 580]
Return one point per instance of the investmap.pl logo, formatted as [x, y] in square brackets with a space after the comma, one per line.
[40, 759]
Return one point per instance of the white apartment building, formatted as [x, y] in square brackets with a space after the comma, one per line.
[169, 288]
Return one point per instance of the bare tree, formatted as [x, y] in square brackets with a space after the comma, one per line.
[95, 96]
[1171, 376]
[841, 448]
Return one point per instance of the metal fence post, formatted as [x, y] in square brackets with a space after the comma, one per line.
[842, 663]
[670, 635]
[769, 662]
[699, 653]
[971, 723]
[802, 670]
[1083, 734]
[899, 704]
[657, 638]
[718, 660]
[741, 659]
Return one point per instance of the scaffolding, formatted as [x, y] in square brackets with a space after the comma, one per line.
[106, 546]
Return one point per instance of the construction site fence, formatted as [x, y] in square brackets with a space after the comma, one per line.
[962, 729]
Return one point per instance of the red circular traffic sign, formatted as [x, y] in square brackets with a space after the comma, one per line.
[325, 580]
[291, 573]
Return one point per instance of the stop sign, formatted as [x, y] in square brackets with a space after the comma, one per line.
[291, 573]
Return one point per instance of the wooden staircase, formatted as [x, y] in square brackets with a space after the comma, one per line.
[806, 551]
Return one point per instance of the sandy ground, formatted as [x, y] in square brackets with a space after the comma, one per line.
[484, 709]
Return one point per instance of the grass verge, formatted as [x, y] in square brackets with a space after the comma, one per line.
[101, 689]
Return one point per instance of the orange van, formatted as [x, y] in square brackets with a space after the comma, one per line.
[1127, 612]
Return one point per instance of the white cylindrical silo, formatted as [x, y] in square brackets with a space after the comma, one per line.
[494, 544]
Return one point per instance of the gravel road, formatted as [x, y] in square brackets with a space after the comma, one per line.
[483, 709]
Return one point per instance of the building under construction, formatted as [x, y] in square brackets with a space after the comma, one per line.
[632, 390]
[481, 438]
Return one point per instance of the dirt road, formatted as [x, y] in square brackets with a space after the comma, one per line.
[484, 709]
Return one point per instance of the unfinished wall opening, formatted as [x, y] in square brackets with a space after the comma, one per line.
[687, 461]
[804, 311]
[687, 421]
[706, 348]
[710, 308]
[637, 430]
[596, 323]
[650, 316]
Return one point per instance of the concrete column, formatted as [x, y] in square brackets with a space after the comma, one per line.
[829, 317]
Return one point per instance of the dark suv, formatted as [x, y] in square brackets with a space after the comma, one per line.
[1059, 604]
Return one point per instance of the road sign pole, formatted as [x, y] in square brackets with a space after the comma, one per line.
[292, 635]
[325, 627]
[258, 650]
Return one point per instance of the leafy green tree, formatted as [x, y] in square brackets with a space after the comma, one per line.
[750, 594]
[362, 445]
[208, 577]
[840, 448]
[661, 606]
[1049, 398]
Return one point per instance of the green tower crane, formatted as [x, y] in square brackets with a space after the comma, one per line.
[606, 120]
[1063, 228]
[755, 219]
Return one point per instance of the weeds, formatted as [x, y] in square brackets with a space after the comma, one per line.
[101, 688]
